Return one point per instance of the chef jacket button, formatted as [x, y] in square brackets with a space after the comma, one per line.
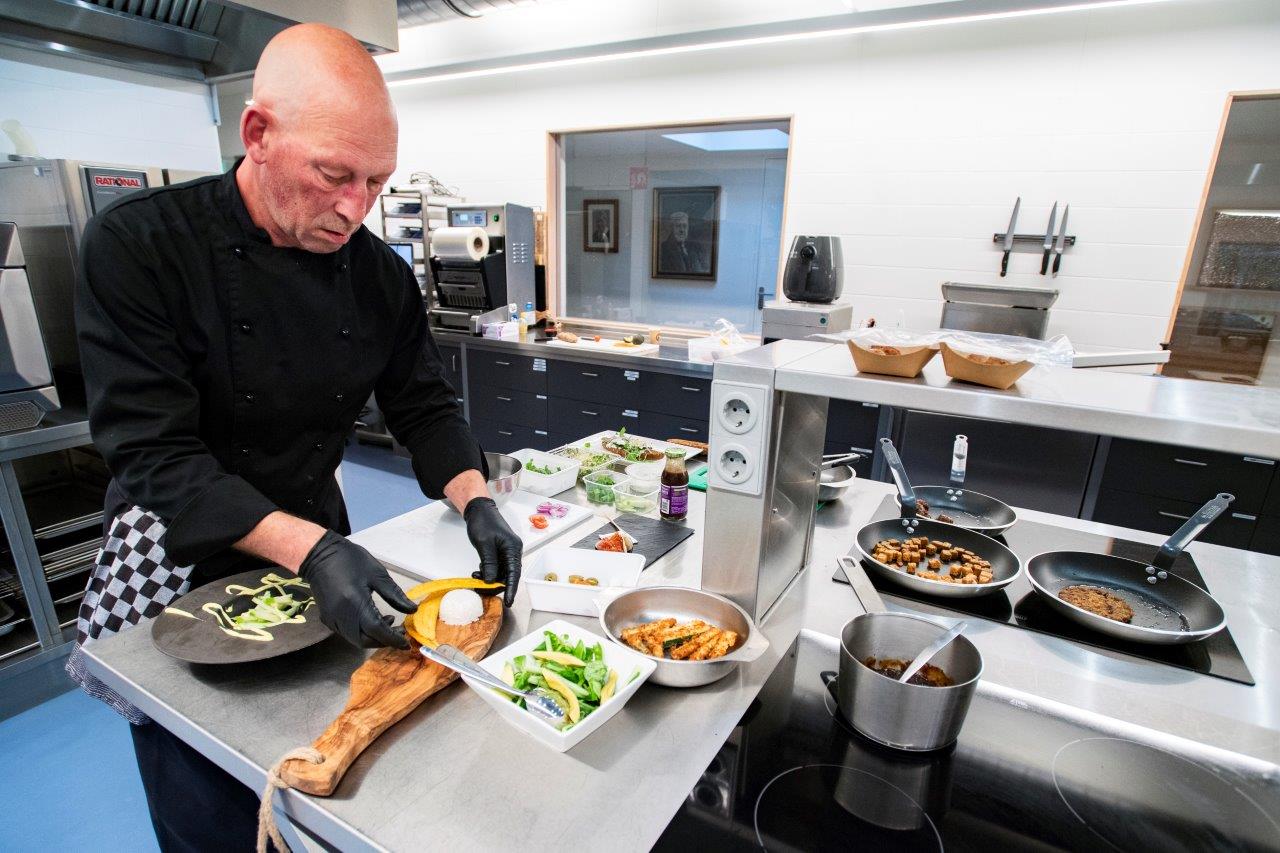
[311, 478]
[342, 267]
[244, 451]
[310, 501]
[246, 328]
[339, 397]
[319, 446]
[345, 332]
[238, 252]
[248, 398]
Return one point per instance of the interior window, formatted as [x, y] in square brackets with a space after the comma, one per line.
[673, 226]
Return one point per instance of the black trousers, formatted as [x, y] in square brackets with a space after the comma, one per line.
[195, 805]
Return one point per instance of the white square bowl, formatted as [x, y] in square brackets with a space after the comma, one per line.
[613, 569]
[546, 484]
[617, 657]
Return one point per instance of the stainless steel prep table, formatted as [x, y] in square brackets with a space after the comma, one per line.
[426, 781]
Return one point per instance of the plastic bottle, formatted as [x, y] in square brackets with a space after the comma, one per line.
[959, 459]
[530, 316]
[673, 493]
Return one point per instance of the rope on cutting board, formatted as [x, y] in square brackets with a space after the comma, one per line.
[266, 814]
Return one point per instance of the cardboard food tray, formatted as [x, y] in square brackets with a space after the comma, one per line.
[962, 367]
[909, 364]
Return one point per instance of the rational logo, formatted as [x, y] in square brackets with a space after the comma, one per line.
[117, 181]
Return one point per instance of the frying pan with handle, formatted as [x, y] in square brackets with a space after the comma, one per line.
[966, 508]
[1167, 610]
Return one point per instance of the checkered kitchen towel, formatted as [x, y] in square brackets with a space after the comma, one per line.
[132, 580]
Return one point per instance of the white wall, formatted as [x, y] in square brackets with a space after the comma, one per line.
[912, 145]
[81, 111]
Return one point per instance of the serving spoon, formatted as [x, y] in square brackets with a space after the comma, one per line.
[538, 702]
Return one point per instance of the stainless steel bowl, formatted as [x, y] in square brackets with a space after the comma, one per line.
[913, 717]
[646, 604]
[504, 478]
[833, 482]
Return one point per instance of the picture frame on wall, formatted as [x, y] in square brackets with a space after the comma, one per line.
[686, 233]
[600, 225]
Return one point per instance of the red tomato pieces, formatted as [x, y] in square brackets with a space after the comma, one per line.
[539, 521]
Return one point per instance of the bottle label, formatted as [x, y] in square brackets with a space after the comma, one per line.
[674, 500]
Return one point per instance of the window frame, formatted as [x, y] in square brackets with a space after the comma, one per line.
[556, 233]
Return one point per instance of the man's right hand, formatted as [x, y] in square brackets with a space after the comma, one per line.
[343, 577]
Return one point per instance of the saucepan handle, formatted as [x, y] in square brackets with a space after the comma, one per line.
[607, 595]
[1184, 535]
[906, 494]
[861, 585]
[756, 645]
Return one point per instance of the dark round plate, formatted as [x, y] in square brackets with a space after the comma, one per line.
[200, 640]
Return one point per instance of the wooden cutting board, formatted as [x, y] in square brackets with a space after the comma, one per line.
[384, 689]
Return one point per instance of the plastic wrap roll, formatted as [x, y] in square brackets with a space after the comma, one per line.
[469, 243]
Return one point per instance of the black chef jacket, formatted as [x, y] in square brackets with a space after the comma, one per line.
[223, 373]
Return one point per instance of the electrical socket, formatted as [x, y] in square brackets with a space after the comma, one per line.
[734, 464]
[740, 406]
[739, 434]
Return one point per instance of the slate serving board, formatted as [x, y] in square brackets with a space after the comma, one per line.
[654, 537]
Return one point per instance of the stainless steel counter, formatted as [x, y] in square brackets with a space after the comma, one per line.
[1211, 415]
[671, 358]
[453, 774]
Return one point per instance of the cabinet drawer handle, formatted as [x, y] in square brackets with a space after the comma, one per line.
[505, 399]
[689, 429]
[1243, 517]
[1172, 515]
[502, 363]
[691, 388]
[591, 375]
[1191, 462]
[504, 432]
[592, 414]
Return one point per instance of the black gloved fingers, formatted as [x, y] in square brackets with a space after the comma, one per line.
[510, 576]
[377, 628]
[489, 567]
[391, 592]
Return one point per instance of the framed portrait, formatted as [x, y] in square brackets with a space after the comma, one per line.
[600, 225]
[686, 232]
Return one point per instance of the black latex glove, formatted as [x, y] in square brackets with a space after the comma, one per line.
[343, 577]
[497, 544]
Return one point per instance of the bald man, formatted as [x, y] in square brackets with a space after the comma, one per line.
[231, 329]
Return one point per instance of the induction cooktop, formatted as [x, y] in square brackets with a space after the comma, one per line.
[796, 776]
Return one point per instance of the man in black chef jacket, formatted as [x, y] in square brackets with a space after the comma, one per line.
[230, 330]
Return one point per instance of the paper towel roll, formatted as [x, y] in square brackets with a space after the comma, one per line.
[450, 242]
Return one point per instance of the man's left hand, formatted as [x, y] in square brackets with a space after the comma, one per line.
[497, 544]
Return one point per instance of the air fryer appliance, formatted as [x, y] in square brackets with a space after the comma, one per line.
[815, 270]
[26, 381]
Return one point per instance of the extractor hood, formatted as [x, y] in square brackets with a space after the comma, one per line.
[196, 39]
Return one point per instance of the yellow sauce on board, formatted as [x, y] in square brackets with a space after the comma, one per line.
[256, 633]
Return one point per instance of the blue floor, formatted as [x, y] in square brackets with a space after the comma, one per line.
[68, 780]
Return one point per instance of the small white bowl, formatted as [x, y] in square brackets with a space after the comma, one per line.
[614, 570]
[547, 484]
[616, 657]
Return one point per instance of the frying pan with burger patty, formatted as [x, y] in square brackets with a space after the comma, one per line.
[1167, 609]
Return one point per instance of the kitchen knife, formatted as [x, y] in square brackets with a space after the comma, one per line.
[1062, 240]
[1048, 240]
[1007, 242]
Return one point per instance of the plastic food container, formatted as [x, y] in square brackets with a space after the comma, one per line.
[546, 484]
[636, 496]
[626, 662]
[612, 569]
[602, 486]
[647, 472]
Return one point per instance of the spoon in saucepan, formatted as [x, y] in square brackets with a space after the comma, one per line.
[930, 650]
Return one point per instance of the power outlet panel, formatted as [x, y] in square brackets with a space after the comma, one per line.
[739, 432]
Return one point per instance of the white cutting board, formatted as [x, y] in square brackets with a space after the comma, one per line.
[605, 345]
[431, 542]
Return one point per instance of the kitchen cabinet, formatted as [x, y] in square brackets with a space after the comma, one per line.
[451, 357]
[1188, 474]
[1031, 467]
[686, 397]
[663, 426]
[1266, 535]
[502, 437]
[594, 383]
[1165, 515]
[579, 418]
[506, 405]
[506, 370]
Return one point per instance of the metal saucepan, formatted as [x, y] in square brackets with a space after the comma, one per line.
[1167, 610]
[966, 508]
[913, 717]
[1005, 565]
[504, 478]
[648, 603]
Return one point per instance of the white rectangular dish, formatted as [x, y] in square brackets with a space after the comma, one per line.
[612, 569]
[616, 657]
[546, 484]
[597, 441]
[612, 345]
[431, 542]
